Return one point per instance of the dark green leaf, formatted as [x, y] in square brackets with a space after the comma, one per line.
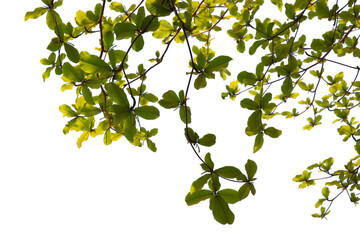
[124, 30]
[158, 8]
[198, 196]
[185, 115]
[249, 104]
[254, 122]
[221, 210]
[229, 195]
[229, 172]
[251, 169]
[244, 191]
[287, 87]
[200, 82]
[207, 140]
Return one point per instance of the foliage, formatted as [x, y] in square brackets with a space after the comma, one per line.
[291, 66]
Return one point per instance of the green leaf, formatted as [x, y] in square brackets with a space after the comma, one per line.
[67, 111]
[218, 63]
[117, 94]
[125, 30]
[230, 172]
[254, 121]
[185, 114]
[209, 162]
[93, 64]
[72, 53]
[249, 104]
[159, 8]
[325, 192]
[244, 191]
[87, 95]
[221, 210]
[54, 45]
[272, 132]
[82, 20]
[247, 78]
[151, 145]
[147, 112]
[287, 87]
[200, 82]
[251, 169]
[129, 126]
[71, 73]
[229, 195]
[207, 140]
[36, 13]
[138, 43]
[201, 61]
[198, 196]
[108, 39]
[107, 137]
[199, 183]
[170, 100]
[290, 11]
[150, 24]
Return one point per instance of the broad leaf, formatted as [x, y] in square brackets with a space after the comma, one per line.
[207, 140]
[198, 196]
[147, 112]
[221, 210]
[117, 94]
[218, 63]
[158, 8]
[93, 64]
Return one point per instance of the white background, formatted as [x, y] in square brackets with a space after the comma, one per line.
[50, 189]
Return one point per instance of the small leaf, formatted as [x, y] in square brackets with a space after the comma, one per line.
[83, 137]
[170, 100]
[199, 183]
[207, 140]
[107, 137]
[251, 169]
[125, 30]
[244, 191]
[67, 111]
[272, 132]
[36, 13]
